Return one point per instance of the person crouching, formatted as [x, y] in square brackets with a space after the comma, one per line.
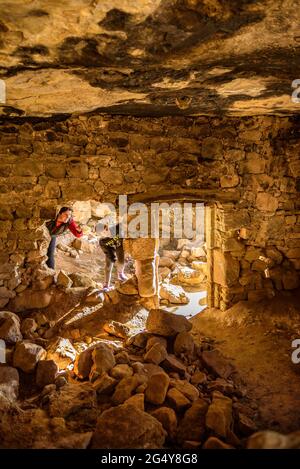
[57, 227]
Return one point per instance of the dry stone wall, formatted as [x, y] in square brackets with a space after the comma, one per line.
[246, 169]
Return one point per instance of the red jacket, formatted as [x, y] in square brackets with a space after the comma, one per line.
[73, 227]
[58, 228]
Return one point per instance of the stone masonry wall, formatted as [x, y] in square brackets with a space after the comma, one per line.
[247, 169]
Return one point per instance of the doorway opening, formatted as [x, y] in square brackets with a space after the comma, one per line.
[185, 270]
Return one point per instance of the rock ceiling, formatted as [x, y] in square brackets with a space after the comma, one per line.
[149, 57]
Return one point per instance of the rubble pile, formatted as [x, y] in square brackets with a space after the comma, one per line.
[155, 389]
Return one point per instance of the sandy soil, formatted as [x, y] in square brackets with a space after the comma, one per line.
[257, 338]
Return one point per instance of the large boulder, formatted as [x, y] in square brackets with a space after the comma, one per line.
[10, 327]
[173, 294]
[166, 324]
[9, 382]
[126, 426]
[27, 355]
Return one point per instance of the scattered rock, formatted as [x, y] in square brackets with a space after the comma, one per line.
[219, 414]
[156, 354]
[198, 252]
[63, 280]
[246, 426]
[83, 363]
[46, 372]
[177, 400]
[105, 384]
[167, 417]
[173, 254]
[188, 276]
[62, 352]
[103, 360]
[157, 387]
[121, 371]
[166, 324]
[72, 398]
[129, 287]
[184, 343]
[198, 378]
[140, 339]
[200, 266]
[138, 400]
[117, 329]
[60, 381]
[30, 299]
[9, 382]
[221, 385]
[218, 364]
[214, 443]
[82, 280]
[156, 340]
[173, 294]
[163, 273]
[273, 440]
[10, 327]
[122, 357]
[165, 261]
[27, 355]
[126, 426]
[28, 328]
[192, 426]
[186, 388]
[172, 364]
[125, 388]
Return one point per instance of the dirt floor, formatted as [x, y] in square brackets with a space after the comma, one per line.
[256, 337]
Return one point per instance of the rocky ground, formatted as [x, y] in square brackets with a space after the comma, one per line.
[98, 370]
[167, 386]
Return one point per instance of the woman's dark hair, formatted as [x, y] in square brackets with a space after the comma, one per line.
[64, 209]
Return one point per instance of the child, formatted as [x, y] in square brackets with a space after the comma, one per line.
[111, 244]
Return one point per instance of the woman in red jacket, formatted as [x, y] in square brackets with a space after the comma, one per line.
[59, 226]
